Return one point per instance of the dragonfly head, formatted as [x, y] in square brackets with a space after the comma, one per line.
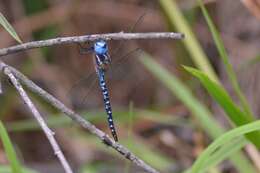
[100, 47]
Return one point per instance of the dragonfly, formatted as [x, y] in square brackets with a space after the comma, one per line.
[102, 62]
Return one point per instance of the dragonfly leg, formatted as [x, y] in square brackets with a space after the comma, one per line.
[83, 50]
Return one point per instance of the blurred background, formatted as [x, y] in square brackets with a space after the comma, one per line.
[150, 120]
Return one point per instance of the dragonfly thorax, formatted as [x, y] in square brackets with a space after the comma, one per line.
[100, 47]
[101, 54]
[102, 61]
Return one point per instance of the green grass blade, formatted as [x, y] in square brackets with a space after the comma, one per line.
[210, 126]
[7, 169]
[245, 65]
[237, 116]
[221, 141]
[224, 152]
[177, 19]
[58, 120]
[8, 27]
[183, 93]
[130, 121]
[129, 133]
[229, 150]
[223, 54]
[10, 152]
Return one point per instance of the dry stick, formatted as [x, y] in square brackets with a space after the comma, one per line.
[36, 114]
[85, 38]
[78, 118]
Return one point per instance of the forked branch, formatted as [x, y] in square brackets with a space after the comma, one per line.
[48, 132]
[78, 119]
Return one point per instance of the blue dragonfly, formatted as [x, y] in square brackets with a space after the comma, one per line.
[102, 63]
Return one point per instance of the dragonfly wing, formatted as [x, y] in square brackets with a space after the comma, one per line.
[90, 80]
[85, 99]
[81, 89]
[121, 43]
[116, 66]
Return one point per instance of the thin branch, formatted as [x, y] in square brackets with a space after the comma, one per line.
[86, 38]
[49, 134]
[81, 121]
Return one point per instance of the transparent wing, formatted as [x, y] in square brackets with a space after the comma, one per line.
[121, 43]
[85, 85]
[81, 89]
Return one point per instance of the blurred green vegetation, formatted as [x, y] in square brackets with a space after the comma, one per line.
[9, 150]
[9, 28]
[226, 144]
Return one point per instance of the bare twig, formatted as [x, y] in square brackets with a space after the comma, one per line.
[36, 114]
[85, 38]
[77, 118]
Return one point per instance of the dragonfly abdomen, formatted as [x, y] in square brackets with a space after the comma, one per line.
[102, 83]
